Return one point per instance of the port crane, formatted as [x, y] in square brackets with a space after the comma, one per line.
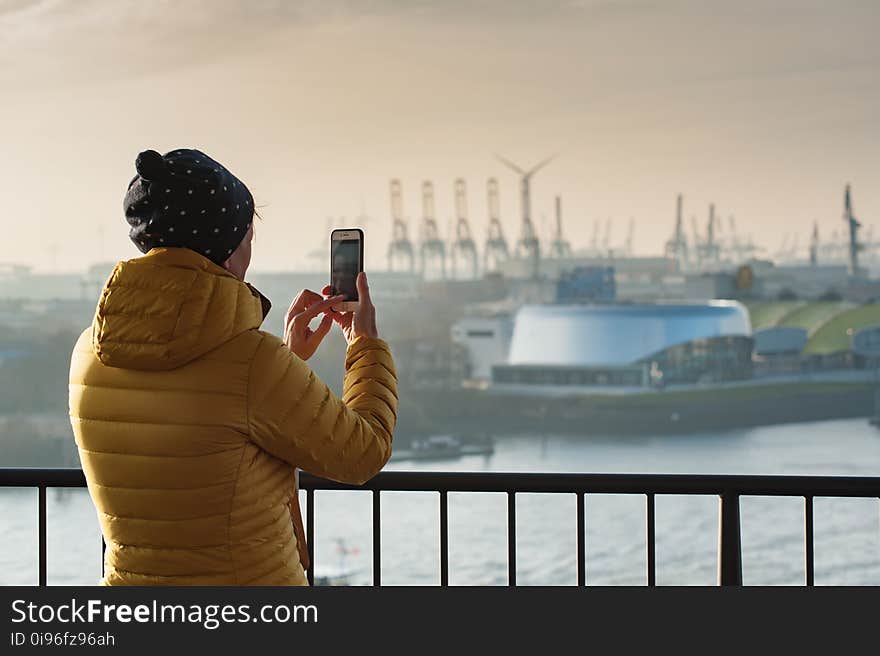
[814, 245]
[463, 247]
[630, 234]
[712, 251]
[853, 225]
[400, 250]
[677, 247]
[496, 250]
[606, 240]
[432, 251]
[527, 247]
[594, 240]
[559, 246]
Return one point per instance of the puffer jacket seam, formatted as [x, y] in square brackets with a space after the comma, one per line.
[168, 390]
[247, 400]
[247, 421]
[187, 295]
[232, 562]
[147, 455]
[164, 488]
[158, 547]
[166, 576]
[296, 404]
[164, 520]
[281, 567]
[161, 423]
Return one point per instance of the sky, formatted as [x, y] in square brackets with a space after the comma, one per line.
[765, 108]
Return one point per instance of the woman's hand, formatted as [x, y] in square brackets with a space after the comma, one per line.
[360, 322]
[299, 338]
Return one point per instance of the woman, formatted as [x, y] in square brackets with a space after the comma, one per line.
[191, 421]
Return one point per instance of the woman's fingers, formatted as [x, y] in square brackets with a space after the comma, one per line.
[343, 319]
[303, 300]
[315, 309]
[323, 328]
[363, 290]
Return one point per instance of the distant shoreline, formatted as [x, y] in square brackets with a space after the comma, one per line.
[651, 412]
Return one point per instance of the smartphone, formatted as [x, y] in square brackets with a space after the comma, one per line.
[346, 262]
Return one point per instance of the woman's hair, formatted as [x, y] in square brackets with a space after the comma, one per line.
[254, 225]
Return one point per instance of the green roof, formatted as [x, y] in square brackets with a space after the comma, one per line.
[836, 334]
[765, 314]
[812, 316]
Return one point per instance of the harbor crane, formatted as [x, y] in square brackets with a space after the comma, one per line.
[432, 251]
[677, 247]
[853, 225]
[745, 249]
[463, 246]
[400, 250]
[559, 246]
[698, 245]
[630, 234]
[708, 250]
[527, 247]
[712, 249]
[814, 245]
[496, 250]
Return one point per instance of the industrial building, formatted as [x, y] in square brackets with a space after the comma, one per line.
[631, 345]
[799, 336]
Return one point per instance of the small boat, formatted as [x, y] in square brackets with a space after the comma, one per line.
[444, 447]
[340, 574]
[334, 576]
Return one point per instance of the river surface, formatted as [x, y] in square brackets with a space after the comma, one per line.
[847, 531]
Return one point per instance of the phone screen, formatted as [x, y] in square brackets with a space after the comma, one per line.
[344, 266]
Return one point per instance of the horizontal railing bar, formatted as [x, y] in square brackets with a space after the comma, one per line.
[405, 481]
[36, 476]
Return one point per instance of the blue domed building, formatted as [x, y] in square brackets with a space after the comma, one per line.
[628, 344]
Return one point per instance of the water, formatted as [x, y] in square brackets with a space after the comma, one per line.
[847, 531]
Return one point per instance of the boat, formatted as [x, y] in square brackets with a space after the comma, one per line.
[444, 447]
[339, 574]
[334, 576]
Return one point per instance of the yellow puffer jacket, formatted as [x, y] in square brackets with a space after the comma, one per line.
[190, 420]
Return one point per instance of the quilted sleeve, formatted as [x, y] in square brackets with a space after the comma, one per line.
[294, 416]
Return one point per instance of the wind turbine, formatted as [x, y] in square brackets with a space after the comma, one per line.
[528, 245]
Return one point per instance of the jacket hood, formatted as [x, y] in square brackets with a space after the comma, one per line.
[170, 307]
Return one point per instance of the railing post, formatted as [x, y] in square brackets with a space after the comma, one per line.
[444, 539]
[650, 540]
[511, 537]
[729, 546]
[581, 541]
[41, 533]
[808, 540]
[377, 542]
[310, 533]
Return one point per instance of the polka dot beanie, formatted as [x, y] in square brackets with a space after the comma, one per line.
[186, 199]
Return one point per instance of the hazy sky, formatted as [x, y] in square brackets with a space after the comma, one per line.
[766, 108]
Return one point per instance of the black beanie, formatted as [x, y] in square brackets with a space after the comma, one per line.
[186, 199]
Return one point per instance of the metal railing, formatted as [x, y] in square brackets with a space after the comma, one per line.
[727, 488]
